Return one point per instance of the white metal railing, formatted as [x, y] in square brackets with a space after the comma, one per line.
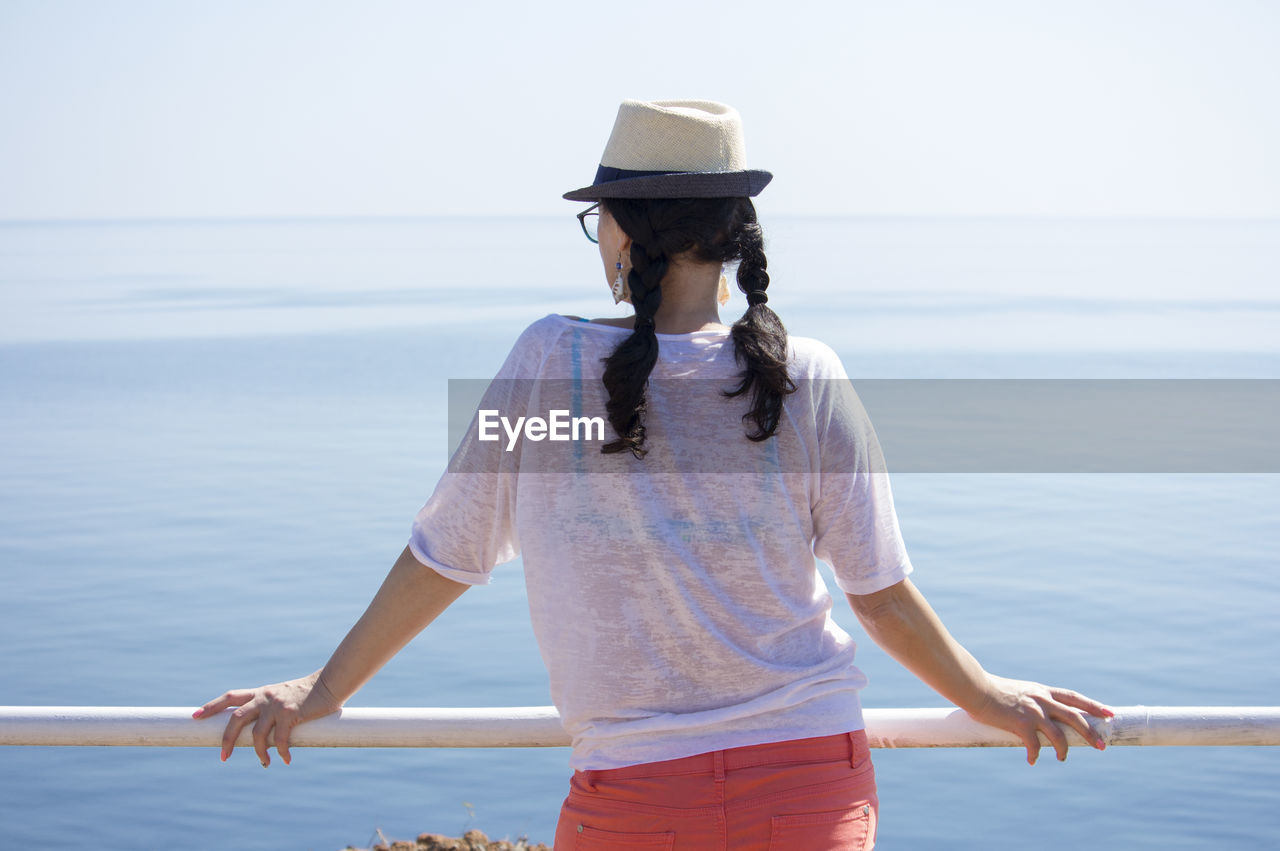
[539, 726]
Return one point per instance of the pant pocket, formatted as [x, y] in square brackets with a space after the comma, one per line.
[847, 830]
[595, 839]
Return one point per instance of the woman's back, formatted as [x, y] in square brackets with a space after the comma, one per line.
[675, 597]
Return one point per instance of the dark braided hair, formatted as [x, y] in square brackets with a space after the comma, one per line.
[711, 230]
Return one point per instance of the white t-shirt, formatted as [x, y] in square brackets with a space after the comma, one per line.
[675, 598]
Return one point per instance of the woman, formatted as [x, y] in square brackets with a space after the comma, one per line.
[712, 701]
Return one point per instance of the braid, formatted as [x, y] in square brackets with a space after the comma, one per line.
[648, 266]
[627, 370]
[710, 230]
[759, 337]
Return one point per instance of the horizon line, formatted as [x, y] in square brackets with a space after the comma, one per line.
[423, 217]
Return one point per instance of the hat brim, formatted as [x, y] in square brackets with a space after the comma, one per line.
[730, 184]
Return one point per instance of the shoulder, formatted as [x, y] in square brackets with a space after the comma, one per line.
[543, 333]
[555, 344]
[548, 327]
[531, 348]
[812, 358]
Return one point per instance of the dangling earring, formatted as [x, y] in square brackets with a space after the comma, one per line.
[621, 292]
[722, 292]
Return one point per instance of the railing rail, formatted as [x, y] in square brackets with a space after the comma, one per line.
[539, 726]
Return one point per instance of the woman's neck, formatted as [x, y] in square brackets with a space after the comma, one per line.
[689, 299]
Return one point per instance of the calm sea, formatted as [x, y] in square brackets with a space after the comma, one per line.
[215, 435]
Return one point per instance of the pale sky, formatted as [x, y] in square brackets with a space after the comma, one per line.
[129, 109]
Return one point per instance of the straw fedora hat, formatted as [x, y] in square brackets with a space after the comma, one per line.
[674, 149]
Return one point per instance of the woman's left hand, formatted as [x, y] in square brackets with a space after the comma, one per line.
[903, 623]
[1028, 708]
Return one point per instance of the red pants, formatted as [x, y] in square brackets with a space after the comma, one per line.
[807, 794]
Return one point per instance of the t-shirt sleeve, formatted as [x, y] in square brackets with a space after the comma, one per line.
[855, 525]
[468, 526]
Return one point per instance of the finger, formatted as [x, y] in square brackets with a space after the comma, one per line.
[260, 730]
[1081, 725]
[1056, 738]
[1032, 741]
[231, 698]
[1079, 701]
[240, 718]
[284, 727]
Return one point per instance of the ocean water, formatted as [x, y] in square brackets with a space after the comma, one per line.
[214, 436]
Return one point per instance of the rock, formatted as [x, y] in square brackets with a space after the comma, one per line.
[472, 840]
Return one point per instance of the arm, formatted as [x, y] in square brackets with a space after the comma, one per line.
[412, 596]
[902, 622]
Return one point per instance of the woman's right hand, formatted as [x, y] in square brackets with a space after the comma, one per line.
[1028, 709]
[274, 710]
